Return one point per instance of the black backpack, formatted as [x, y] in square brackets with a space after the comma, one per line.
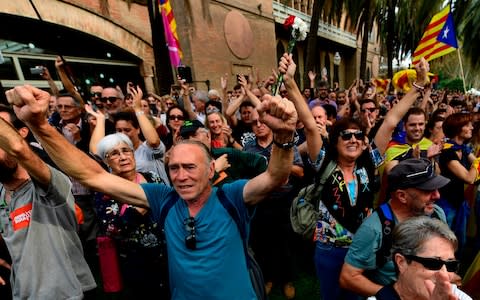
[253, 267]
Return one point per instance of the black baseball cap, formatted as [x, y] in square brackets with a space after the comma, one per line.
[189, 128]
[415, 173]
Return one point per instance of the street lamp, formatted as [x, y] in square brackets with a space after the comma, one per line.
[336, 62]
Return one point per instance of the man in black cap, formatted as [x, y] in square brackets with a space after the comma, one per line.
[413, 187]
[230, 163]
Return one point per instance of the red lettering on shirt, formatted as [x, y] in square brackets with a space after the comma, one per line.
[21, 217]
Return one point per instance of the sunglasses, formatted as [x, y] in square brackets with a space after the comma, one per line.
[191, 239]
[347, 135]
[176, 117]
[110, 99]
[435, 264]
[370, 109]
[168, 103]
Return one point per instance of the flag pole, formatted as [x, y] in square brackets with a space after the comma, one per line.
[461, 70]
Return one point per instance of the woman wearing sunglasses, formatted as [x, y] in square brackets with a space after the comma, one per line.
[424, 256]
[175, 118]
[349, 162]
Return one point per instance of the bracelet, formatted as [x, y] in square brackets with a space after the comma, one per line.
[418, 87]
[140, 112]
[284, 146]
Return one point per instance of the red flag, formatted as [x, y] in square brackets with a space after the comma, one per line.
[170, 26]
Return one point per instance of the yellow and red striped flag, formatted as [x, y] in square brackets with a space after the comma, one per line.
[439, 37]
[171, 37]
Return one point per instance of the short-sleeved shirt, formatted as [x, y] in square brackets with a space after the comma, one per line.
[216, 269]
[40, 230]
[367, 241]
[151, 160]
[453, 192]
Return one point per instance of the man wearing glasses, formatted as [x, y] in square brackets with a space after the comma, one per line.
[413, 187]
[206, 257]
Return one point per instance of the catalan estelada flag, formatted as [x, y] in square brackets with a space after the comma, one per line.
[171, 37]
[439, 38]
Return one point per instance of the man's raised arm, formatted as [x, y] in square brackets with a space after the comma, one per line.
[30, 105]
[280, 115]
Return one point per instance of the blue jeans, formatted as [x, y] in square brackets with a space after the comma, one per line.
[328, 263]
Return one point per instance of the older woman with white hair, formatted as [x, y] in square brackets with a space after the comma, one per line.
[424, 256]
[129, 228]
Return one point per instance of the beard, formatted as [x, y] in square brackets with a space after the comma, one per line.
[8, 167]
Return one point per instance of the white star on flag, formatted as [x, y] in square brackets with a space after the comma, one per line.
[445, 32]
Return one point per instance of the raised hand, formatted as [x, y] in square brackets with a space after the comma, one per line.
[287, 66]
[278, 114]
[137, 95]
[224, 81]
[97, 114]
[440, 287]
[30, 104]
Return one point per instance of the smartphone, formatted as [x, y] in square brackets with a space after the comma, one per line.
[238, 78]
[36, 71]
[185, 73]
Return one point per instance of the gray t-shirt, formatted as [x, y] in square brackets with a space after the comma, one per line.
[367, 241]
[40, 230]
[151, 160]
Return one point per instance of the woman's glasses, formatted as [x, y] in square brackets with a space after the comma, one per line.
[191, 239]
[347, 135]
[176, 117]
[435, 264]
[115, 154]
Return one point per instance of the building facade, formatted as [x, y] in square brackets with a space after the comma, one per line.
[110, 41]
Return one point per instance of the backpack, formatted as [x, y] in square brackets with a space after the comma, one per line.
[305, 206]
[253, 267]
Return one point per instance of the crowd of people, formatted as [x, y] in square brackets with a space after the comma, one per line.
[128, 189]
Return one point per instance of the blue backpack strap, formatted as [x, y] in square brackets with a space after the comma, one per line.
[233, 212]
[385, 215]
[172, 199]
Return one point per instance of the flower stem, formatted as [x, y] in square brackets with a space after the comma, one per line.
[291, 45]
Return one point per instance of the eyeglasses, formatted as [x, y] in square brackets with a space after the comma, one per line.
[191, 239]
[347, 135]
[66, 107]
[176, 117]
[428, 170]
[435, 264]
[96, 95]
[370, 109]
[109, 99]
[115, 154]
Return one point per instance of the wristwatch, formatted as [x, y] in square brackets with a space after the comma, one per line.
[285, 146]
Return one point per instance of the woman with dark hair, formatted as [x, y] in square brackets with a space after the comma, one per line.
[174, 120]
[456, 163]
[349, 162]
[434, 130]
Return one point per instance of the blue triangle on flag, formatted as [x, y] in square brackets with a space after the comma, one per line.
[447, 34]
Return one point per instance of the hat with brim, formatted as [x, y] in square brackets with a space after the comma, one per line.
[415, 173]
[189, 128]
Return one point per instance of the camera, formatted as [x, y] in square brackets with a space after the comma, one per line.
[38, 70]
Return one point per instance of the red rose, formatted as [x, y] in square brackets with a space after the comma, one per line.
[288, 22]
